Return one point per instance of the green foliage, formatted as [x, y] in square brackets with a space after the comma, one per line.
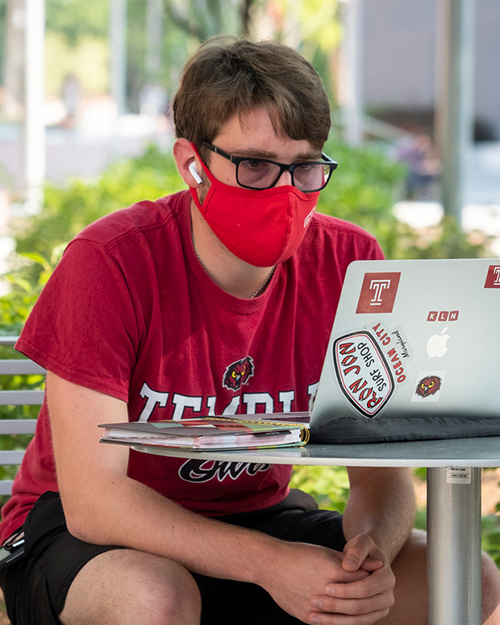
[80, 26]
[75, 19]
[14, 309]
[16, 305]
[490, 536]
[27, 281]
[363, 190]
[446, 240]
[87, 62]
[3, 27]
[421, 519]
[67, 210]
[328, 485]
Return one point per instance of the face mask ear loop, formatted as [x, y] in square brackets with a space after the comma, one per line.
[196, 199]
[207, 171]
[198, 179]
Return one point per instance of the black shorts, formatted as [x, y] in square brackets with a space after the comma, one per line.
[35, 587]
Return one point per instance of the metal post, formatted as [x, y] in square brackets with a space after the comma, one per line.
[118, 36]
[34, 124]
[154, 19]
[454, 565]
[455, 106]
[351, 78]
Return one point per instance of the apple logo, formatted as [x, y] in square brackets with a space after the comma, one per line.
[436, 345]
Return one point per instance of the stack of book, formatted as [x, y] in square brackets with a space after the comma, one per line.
[210, 433]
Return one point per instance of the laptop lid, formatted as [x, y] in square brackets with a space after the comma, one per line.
[414, 353]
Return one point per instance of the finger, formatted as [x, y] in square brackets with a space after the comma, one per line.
[353, 607]
[353, 560]
[378, 582]
[364, 605]
[371, 565]
[349, 577]
[358, 550]
[315, 618]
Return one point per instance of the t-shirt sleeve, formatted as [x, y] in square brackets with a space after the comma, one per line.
[84, 326]
[366, 247]
[375, 252]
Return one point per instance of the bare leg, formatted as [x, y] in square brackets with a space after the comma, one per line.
[126, 587]
[410, 569]
[491, 592]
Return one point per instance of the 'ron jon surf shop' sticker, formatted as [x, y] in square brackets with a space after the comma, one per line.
[362, 372]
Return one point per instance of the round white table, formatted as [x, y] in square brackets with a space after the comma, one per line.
[453, 505]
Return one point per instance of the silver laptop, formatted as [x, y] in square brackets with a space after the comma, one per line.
[414, 353]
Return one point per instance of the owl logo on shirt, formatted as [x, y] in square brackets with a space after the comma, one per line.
[238, 374]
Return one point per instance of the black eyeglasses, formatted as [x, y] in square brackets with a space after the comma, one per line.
[261, 173]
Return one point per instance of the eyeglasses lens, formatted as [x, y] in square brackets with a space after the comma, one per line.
[310, 177]
[258, 174]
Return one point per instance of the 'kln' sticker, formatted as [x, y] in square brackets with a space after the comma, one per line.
[363, 373]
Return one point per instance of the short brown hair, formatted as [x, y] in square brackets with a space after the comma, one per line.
[228, 76]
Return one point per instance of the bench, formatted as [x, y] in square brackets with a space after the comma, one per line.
[28, 394]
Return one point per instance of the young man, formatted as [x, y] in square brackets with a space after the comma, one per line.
[217, 300]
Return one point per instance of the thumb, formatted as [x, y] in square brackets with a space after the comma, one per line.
[357, 556]
[352, 563]
[352, 559]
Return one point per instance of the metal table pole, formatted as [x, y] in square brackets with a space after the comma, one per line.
[454, 564]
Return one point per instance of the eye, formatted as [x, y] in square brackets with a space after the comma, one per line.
[304, 166]
[253, 164]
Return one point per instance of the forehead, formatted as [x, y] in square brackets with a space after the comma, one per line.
[254, 134]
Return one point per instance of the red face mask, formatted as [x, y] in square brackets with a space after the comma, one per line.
[263, 228]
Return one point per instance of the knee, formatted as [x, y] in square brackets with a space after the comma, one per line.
[183, 601]
[124, 587]
[173, 600]
[490, 580]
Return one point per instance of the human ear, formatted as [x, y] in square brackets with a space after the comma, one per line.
[186, 161]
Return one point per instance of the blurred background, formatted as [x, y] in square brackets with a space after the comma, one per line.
[85, 85]
[85, 129]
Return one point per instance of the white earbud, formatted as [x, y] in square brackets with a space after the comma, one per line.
[194, 173]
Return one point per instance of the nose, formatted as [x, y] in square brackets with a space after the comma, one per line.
[284, 179]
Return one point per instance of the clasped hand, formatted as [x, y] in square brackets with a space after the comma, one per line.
[325, 587]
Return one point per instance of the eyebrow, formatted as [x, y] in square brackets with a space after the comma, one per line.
[258, 153]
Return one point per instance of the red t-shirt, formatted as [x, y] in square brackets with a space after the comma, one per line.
[131, 313]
